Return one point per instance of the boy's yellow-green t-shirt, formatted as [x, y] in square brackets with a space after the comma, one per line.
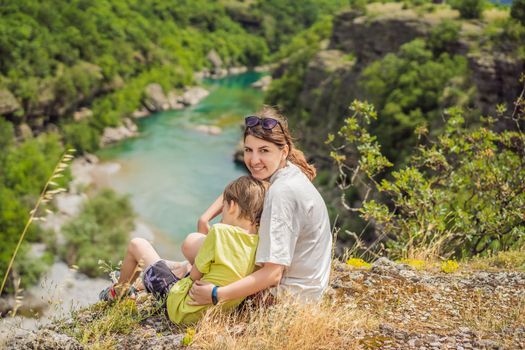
[226, 256]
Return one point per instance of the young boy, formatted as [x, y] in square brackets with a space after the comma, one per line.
[226, 255]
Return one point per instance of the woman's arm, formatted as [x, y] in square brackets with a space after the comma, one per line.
[269, 275]
[203, 225]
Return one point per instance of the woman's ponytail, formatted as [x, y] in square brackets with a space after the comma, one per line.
[297, 157]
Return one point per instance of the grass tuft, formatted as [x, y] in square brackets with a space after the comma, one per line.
[286, 325]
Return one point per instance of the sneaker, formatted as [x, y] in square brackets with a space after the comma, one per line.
[110, 293]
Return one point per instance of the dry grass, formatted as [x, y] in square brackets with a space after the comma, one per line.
[479, 312]
[286, 325]
[495, 15]
[510, 260]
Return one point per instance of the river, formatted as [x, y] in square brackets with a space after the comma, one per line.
[173, 172]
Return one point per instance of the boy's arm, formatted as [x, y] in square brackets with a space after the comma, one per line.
[203, 225]
[195, 274]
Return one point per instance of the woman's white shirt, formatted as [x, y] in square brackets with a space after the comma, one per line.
[295, 232]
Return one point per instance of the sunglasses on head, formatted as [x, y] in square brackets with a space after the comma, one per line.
[266, 123]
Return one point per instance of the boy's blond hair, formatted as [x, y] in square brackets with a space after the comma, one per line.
[248, 193]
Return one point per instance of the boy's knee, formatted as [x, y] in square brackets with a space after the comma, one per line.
[186, 248]
[136, 243]
[190, 246]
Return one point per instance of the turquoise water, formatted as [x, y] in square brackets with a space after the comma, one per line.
[173, 172]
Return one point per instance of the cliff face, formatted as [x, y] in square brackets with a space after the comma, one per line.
[332, 79]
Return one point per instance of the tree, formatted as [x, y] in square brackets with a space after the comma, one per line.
[517, 11]
[468, 9]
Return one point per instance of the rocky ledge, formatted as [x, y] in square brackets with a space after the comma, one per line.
[410, 309]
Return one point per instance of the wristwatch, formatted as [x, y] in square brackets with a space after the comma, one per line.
[214, 299]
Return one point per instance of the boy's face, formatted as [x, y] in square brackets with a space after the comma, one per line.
[228, 213]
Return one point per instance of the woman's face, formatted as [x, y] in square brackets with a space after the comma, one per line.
[263, 158]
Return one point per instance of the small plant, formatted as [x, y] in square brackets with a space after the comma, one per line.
[449, 266]
[415, 263]
[358, 263]
[188, 336]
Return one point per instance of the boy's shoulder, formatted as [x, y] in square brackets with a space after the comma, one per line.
[221, 229]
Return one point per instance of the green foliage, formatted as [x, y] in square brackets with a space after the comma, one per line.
[100, 232]
[57, 56]
[24, 169]
[517, 11]
[281, 20]
[461, 195]
[285, 91]
[359, 5]
[81, 136]
[411, 89]
[468, 9]
[443, 35]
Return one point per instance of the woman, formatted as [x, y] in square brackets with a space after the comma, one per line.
[295, 242]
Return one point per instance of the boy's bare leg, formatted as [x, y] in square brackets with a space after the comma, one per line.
[139, 251]
[179, 268]
[191, 245]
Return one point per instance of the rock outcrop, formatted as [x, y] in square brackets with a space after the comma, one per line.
[82, 113]
[263, 83]
[208, 129]
[371, 38]
[115, 134]
[154, 98]
[215, 60]
[8, 102]
[333, 77]
[193, 95]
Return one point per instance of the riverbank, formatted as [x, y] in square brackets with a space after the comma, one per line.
[62, 289]
[388, 305]
[90, 175]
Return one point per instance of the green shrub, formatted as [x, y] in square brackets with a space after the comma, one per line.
[100, 232]
[82, 136]
[443, 35]
[517, 11]
[468, 9]
[461, 195]
[359, 5]
[410, 89]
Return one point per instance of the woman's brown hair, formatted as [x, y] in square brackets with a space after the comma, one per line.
[281, 137]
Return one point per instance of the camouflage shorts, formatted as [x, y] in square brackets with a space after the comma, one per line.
[158, 279]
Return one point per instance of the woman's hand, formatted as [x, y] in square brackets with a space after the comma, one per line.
[200, 292]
